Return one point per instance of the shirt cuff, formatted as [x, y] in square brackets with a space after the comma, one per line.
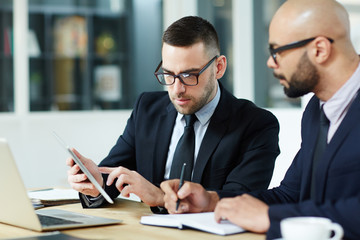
[91, 202]
[159, 210]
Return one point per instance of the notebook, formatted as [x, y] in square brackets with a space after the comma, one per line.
[16, 207]
[200, 221]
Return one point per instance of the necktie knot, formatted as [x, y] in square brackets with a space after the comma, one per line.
[323, 119]
[190, 120]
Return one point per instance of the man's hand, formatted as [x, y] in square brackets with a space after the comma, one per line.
[194, 198]
[246, 211]
[78, 180]
[132, 182]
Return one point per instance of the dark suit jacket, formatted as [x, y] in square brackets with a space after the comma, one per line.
[238, 150]
[337, 176]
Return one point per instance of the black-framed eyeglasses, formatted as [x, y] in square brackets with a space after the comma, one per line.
[292, 45]
[189, 79]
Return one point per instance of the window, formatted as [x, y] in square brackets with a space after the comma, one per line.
[219, 13]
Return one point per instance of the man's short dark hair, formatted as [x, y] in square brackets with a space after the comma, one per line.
[190, 30]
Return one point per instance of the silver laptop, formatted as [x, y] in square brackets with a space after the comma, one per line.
[16, 207]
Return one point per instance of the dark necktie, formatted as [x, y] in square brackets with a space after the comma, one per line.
[320, 147]
[184, 152]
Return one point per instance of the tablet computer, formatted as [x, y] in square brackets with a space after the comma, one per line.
[84, 169]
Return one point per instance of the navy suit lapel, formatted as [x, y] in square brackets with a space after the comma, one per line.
[311, 127]
[351, 119]
[214, 133]
[164, 131]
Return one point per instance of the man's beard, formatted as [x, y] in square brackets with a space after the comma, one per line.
[303, 80]
[202, 100]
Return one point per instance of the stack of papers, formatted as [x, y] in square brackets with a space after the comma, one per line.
[53, 196]
[58, 196]
[201, 221]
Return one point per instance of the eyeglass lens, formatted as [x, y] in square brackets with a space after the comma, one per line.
[185, 78]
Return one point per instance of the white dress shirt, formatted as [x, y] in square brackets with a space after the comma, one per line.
[200, 127]
[338, 105]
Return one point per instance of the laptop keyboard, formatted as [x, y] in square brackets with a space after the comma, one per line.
[50, 221]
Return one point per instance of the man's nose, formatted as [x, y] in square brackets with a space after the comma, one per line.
[179, 87]
[271, 63]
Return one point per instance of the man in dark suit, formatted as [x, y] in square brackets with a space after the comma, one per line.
[236, 143]
[311, 51]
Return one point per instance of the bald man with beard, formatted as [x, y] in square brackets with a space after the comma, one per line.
[310, 51]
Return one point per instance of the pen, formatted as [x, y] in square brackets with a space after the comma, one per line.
[181, 183]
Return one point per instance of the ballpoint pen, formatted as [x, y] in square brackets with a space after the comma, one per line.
[181, 183]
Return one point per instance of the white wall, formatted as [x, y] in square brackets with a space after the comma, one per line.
[41, 159]
[289, 141]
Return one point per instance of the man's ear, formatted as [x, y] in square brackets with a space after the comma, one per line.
[221, 64]
[322, 49]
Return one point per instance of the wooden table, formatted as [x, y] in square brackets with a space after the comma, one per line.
[130, 212]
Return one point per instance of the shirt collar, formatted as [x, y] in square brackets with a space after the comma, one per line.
[335, 107]
[205, 113]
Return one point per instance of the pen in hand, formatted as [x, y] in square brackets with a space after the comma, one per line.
[181, 183]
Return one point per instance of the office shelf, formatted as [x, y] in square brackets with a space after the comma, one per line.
[77, 40]
[83, 54]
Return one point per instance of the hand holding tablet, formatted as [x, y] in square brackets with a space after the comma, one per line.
[84, 170]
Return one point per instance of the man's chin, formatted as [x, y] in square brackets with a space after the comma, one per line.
[181, 109]
[288, 93]
[186, 110]
[293, 94]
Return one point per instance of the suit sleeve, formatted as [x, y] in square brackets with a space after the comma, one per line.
[345, 211]
[289, 189]
[284, 201]
[258, 149]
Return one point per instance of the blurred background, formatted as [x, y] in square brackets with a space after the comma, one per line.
[77, 66]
